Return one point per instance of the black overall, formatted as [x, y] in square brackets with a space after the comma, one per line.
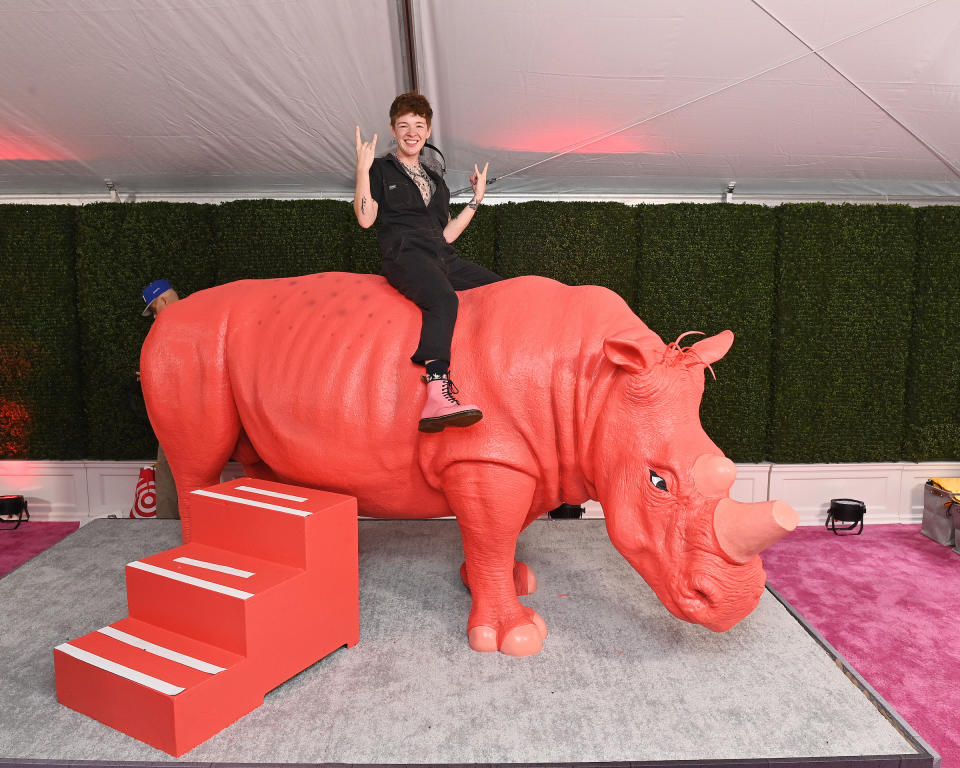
[417, 261]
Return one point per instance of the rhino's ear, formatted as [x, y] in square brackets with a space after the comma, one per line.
[712, 348]
[631, 355]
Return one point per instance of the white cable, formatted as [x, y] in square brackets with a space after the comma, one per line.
[929, 147]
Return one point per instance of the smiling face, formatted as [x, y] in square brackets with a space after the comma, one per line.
[411, 132]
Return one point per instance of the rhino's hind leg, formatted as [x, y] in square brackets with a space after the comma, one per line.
[192, 411]
[491, 502]
[524, 579]
[197, 456]
[253, 465]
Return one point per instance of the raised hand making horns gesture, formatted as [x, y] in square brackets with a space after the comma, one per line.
[366, 151]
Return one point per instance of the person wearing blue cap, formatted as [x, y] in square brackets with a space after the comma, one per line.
[156, 296]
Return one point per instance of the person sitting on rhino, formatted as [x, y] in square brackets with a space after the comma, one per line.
[411, 205]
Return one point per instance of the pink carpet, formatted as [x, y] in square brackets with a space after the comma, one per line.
[31, 538]
[889, 602]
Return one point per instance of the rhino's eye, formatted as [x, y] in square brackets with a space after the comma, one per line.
[657, 481]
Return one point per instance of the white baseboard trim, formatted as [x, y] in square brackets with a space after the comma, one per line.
[70, 491]
[893, 492]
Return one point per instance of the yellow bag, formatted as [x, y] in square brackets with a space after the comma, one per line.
[948, 484]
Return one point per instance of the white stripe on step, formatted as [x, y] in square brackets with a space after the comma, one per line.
[121, 671]
[262, 492]
[193, 581]
[159, 650]
[252, 503]
[215, 567]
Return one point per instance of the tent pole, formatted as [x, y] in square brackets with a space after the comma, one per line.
[408, 45]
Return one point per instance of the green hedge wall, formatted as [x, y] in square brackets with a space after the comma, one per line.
[575, 243]
[121, 248]
[478, 242]
[274, 238]
[844, 316]
[845, 289]
[933, 383]
[707, 268]
[39, 361]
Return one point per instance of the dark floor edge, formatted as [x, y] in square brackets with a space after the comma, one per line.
[905, 729]
[850, 761]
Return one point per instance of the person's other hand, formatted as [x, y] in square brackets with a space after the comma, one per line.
[478, 180]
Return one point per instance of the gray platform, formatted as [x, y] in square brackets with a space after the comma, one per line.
[619, 678]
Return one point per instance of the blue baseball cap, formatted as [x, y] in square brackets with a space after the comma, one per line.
[153, 292]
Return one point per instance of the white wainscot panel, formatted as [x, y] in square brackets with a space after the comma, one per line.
[808, 488]
[54, 490]
[752, 483]
[914, 477]
[592, 510]
[112, 486]
[893, 493]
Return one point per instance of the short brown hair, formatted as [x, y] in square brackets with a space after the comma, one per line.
[411, 103]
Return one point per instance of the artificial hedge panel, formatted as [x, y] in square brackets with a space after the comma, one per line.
[282, 238]
[39, 361]
[708, 268]
[575, 243]
[121, 248]
[478, 243]
[845, 286]
[844, 314]
[933, 385]
[364, 250]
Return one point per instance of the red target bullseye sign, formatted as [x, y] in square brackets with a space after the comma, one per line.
[145, 501]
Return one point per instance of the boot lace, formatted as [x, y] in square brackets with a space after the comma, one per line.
[449, 389]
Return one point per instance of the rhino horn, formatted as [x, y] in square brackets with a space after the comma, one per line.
[744, 530]
[713, 474]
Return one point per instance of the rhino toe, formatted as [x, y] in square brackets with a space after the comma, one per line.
[483, 639]
[520, 640]
[525, 640]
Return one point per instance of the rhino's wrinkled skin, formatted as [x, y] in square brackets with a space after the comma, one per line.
[308, 380]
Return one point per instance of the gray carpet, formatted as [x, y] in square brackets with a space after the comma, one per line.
[619, 678]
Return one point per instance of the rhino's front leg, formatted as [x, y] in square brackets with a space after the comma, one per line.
[491, 502]
[524, 579]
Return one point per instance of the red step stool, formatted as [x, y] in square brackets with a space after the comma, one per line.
[267, 587]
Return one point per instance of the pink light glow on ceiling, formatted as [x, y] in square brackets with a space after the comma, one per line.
[552, 139]
[28, 148]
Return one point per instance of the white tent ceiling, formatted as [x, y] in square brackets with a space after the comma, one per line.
[612, 99]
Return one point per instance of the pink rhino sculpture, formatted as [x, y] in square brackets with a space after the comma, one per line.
[307, 380]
